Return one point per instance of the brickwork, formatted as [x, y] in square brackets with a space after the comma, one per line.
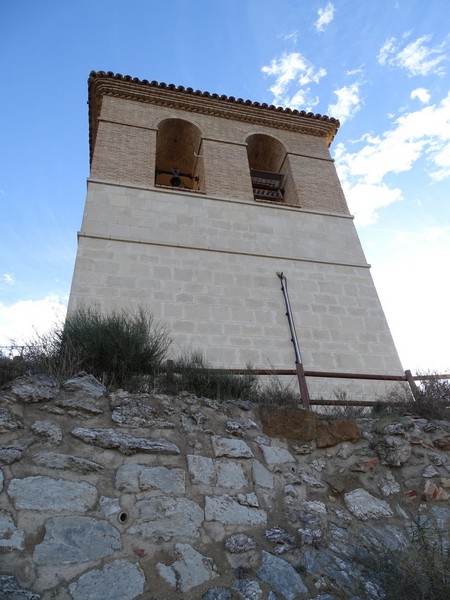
[127, 131]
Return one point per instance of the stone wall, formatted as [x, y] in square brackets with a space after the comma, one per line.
[152, 497]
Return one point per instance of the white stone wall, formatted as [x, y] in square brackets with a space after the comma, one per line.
[207, 269]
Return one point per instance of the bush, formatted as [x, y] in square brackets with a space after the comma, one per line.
[121, 349]
[116, 348]
[10, 368]
[433, 398]
[192, 373]
[276, 392]
[417, 569]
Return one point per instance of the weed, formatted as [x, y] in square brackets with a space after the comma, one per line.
[191, 372]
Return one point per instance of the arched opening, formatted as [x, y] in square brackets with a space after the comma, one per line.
[178, 161]
[270, 170]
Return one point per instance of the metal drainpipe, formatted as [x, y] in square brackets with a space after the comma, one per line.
[304, 394]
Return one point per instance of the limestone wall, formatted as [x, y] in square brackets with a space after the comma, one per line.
[128, 497]
[206, 267]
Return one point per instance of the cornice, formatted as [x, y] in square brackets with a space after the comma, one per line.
[101, 84]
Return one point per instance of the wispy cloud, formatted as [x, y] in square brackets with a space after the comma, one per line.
[417, 57]
[293, 75]
[8, 278]
[348, 102]
[423, 133]
[325, 16]
[421, 94]
[291, 37]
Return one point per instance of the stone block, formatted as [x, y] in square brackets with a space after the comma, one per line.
[289, 422]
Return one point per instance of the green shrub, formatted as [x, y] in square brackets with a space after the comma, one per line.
[190, 372]
[116, 347]
[11, 367]
[417, 569]
[276, 392]
[121, 349]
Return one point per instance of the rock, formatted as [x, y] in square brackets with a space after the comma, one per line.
[120, 580]
[436, 459]
[138, 478]
[345, 451]
[10, 590]
[165, 518]
[239, 542]
[394, 429]
[45, 493]
[435, 492]
[430, 471]
[134, 413]
[309, 479]
[303, 448]
[34, 388]
[48, 430]
[2, 479]
[442, 443]
[76, 539]
[86, 385]
[230, 447]
[234, 428]
[330, 433]
[393, 451]
[109, 506]
[282, 539]
[217, 593]
[201, 469]
[76, 406]
[365, 506]
[229, 511]
[388, 485]
[247, 589]
[11, 538]
[190, 570]
[281, 577]
[124, 443]
[9, 421]
[288, 422]
[230, 474]
[55, 460]
[248, 500]
[441, 516]
[274, 455]
[261, 476]
[12, 451]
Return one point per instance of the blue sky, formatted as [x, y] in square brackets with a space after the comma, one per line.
[380, 66]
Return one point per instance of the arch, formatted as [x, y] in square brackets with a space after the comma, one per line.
[270, 170]
[178, 161]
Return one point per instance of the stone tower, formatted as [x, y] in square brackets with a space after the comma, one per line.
[195, 201]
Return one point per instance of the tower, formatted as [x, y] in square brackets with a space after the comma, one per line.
[196, 201]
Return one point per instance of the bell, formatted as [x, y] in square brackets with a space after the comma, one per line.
[175, 180]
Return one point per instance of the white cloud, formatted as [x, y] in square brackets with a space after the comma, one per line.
[423, 133]
[365, 199]
[293, 70]
[325, 16]
[421, 94]
[417, 57]
[8, 278]
[22, 320]
[347, 104]
[415, 318]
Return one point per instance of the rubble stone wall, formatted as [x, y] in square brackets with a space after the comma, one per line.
[124, 497]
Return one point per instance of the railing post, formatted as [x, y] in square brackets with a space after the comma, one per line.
[412, 384]
[304, 393]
